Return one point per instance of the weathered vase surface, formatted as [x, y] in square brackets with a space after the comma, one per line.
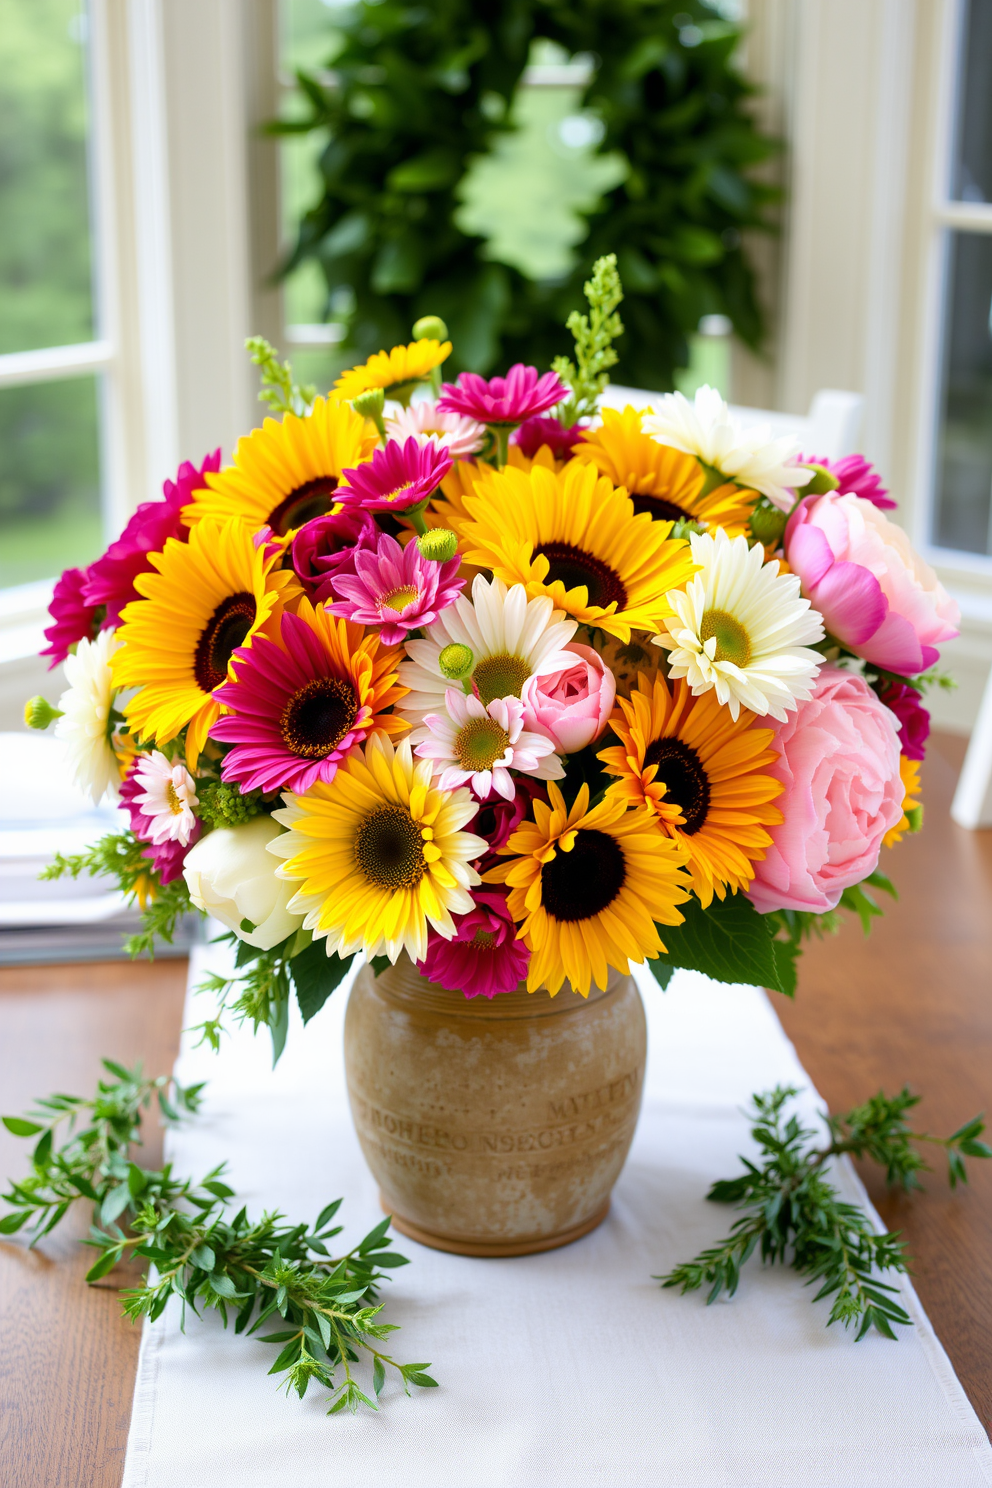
[493, 1127]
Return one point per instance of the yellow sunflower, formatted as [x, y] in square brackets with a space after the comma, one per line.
[394, 371]
[380, 854]
[912, 807]
[570, 535]
[588, 887]
[664, 482]
[286, 472]
[205, 598]
[702, 775]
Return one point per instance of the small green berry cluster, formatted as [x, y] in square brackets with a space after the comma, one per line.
[222, 805]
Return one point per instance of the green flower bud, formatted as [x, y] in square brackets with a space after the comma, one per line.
[821, 483]
[370, 403]
[438, 544]
[767, 524]
[914, 815]
[455, 661]
[38, 713]
[430, 328]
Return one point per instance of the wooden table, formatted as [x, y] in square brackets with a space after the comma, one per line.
[911, 1004]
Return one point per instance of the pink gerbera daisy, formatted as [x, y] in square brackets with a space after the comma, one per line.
[508, 400]
[74, 619]
[396, 588]
[298, 707]
[397, 477]
[166, 857]
[536, 432]
[484, 957]
[857, 478]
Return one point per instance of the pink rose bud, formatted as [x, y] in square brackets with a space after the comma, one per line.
[571, 706]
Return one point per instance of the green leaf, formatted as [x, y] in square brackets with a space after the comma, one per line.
[21, 1128]
[114, 1203]
[378, 1376]
[662, 971]
[203, 1256]
[119, 1070]
[326, 1215]
[223, 1285]
[106, 1263]
[315, 976]
[379, 964]
[730, 942]
[10, 1223]
[279, 1027]
[137, 1180]
[42, 1149]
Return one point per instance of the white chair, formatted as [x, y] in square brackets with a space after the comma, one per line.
[830, 428]
[972, 804]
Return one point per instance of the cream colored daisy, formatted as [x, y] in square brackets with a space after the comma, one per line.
[85, 723]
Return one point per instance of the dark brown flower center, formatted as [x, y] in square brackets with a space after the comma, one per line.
[319, 716]
[688, 786]
[389, 848]
[658, 508]
[574, 566]
[313, 499]
[582, 883]
[223, 633]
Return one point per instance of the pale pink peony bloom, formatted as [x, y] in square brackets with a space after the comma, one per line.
[571, 706]
[456, 433]
[475, 745]
[839, 763]
[875, 594]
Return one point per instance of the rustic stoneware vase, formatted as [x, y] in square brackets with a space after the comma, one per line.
[494, 1128]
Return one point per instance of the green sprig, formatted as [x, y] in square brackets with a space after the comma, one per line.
[278, 389]
[325, 1309]
[793, 1213]
[594, 335]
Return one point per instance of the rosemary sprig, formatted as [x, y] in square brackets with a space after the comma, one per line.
[325, 1308]
[792, 1211]
[594, 335]
[278, 389]
[121, 856]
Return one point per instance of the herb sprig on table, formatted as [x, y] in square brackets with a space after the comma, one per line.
[323, 1310]
[793, 1213]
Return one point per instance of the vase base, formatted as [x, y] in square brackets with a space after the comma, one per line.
[470, 1247]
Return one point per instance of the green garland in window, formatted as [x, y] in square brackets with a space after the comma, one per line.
[420, 90]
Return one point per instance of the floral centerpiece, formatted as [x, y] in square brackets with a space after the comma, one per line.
[472, 672]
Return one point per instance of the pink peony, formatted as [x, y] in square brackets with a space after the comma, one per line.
[110, 580]
[74, 619]
[397, 477]
[914, 720]
[326, 547]
[839, 763]
[536, 432]
[509, 400]
[166, 857]
[856, 477]
[571, 706]
[484, 956]
[875, 594]
[396, 588]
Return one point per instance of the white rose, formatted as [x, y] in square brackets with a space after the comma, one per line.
[232, 876]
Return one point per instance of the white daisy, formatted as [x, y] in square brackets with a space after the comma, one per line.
[751, 457]
[85, 724]
[168, 799]
[740, 626]
[459, 435]
[478, 745]
[503, 637]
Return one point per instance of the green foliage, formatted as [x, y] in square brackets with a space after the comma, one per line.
[223, 805]
[792, 1213]
[792, 927]
[278, 389]
[325, 1309]
[730, 942]
[419, 93]
[594, 336]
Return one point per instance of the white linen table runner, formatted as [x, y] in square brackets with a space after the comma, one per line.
[570, 1369]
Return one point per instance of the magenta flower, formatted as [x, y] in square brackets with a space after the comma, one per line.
[398, 476]
[509, 400]
[166, 857]
[396, 588]
[326, 547]
[914, 720]
[497, 819]
[75, 619]
[297, 708]
[110, 580]
[856, 477]
[535, 432]
[484, 956]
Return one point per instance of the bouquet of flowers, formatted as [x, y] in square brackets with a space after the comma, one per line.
[473, 672]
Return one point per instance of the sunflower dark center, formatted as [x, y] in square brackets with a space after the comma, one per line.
[223, 633]
[389, 848]
[686, 781]
[582, 883]
[658, 508]
[313, 499]
[318, 716]
[574, 567]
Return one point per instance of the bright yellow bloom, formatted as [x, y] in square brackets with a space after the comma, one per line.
[909, 770]
[662, 481]
[570, 535]
[380, 854]
[286, 472]
[702, 775]
[391, 370]
[588, 887]
[205, 598]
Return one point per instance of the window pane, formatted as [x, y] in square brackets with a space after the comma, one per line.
[973, 167]
[965, 449]
[49, 479]
[45, 289]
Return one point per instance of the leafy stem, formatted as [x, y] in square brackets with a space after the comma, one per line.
[278, 389]
[594, 335]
